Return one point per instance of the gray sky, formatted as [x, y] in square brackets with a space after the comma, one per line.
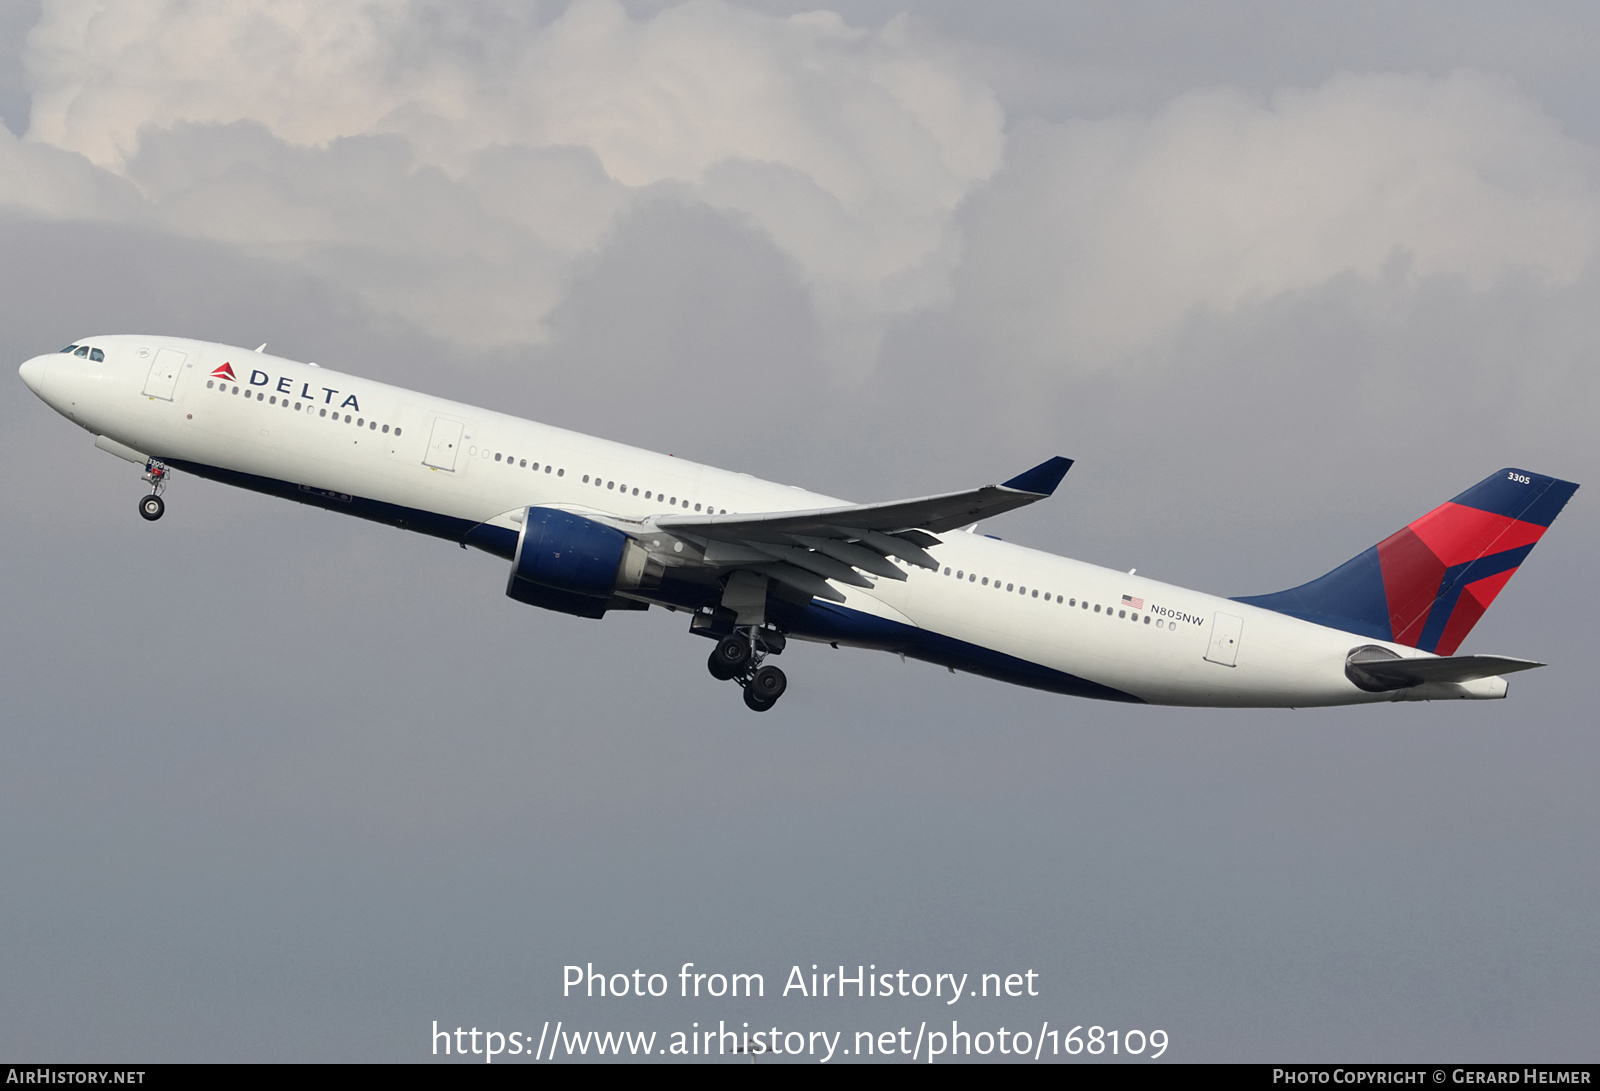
[279, 785]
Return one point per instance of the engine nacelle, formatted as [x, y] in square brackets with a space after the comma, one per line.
[575, 565]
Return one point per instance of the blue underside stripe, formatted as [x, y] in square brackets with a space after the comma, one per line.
[829, 621]
[818, 620]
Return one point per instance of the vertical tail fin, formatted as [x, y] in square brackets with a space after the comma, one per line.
[1427, 584]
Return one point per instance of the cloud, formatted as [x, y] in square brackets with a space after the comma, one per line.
[379, 140]
[458, 167]
[46, 182]
[1100, 239]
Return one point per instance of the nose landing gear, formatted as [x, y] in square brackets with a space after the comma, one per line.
[152, 507]
[737, 658]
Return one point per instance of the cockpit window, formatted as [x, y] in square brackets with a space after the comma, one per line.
[83, 350]
[70, 348]
[96, 355]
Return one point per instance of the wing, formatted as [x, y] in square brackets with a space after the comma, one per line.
[806, 549]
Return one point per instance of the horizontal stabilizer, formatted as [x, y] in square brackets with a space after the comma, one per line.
[1380, 674]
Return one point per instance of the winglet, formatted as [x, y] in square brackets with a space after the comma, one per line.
[1043, 478]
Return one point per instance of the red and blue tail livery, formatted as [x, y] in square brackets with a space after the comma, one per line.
[1427, 584]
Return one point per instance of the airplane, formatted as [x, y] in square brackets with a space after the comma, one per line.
[590, 527]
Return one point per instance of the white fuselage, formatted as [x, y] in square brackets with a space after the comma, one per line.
[335, 437]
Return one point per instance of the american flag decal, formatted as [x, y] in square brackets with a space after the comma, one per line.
[1132, 603]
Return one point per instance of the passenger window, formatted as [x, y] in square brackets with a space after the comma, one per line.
[636, 492]
[1009, 587]
[297, 407]
[263, 397]
[83, 351]
[559, 473]
[1097, 607]
[986, 581]
[1122, 613]
[1036, 595]
[236, 390]
[210, 383]
[324, 413]
[611, 484]
[497, 456]
[647, 494]
[972, 578]
[359, 422]
[673, 501]
[397, 431]
[96, 355]
[1147, 619]
[372, 426]
[347, 418]
[947, 572]
[585, 479]
[274, 400]
[697, 507]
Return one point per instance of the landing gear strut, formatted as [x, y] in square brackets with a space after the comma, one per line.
[152, 507]
[737, 658]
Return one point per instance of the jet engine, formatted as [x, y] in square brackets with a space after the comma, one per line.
[574, 565]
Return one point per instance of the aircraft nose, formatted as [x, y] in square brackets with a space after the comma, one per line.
[33, 372]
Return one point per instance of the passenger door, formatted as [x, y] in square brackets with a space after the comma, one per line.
[444, 444]
[1225, 632]
[164, 373]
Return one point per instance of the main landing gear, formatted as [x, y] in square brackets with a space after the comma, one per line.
[152, 507]
[737, 658]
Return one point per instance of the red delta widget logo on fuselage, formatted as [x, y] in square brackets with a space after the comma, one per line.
[285, 385]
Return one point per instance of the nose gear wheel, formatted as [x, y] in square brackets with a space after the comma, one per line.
[152, 507]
